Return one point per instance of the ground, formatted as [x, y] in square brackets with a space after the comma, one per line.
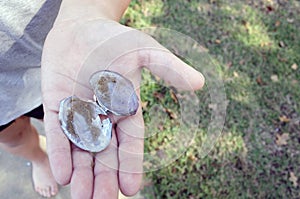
[255, 45]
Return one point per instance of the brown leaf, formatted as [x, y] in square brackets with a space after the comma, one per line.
[218, 41]
[281, 59]
[277, 23]
[293, 179]
[294, 66]
[284, 119]
[158, 95]
[192, 157]
[173, 96]
[282, 139]
[171, 113]
[161, 127]
[265, 44]
[229, 64]
[270, 8]
[260, 81]
[246, 24]
[144, 104]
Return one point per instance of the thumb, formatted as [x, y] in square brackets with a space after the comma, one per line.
[171, 69]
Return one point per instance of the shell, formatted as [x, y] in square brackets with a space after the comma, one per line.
[114, 93]
[80, 120]
[81, 123]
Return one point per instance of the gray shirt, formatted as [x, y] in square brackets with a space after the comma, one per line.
[24, 25]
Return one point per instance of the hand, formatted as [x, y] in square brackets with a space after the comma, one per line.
[72, 52]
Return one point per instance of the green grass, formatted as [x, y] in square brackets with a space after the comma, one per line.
[251, 42]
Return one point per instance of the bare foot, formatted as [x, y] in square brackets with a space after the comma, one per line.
[43, 179]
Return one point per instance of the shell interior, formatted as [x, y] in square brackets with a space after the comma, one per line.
[114, 93]
[80, 119]
[81, 123]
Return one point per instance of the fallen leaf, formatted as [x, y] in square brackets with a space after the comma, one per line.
[284, 119]
[229, 64]
[158, 95]
[192, 157]
[270, 8]
[218, 41]
[235, 74]
[281, 44]
[265, 44]
[212, 106]
[293, 179]
[161, 127]
[144, 104]
[282, 59]
[246, 24]
[274, 78]
[282, 139]
[242, 62]
[290, 20]
[173, 96]
[294, 66]
[171, 113]
[156, 78]
[260, 81]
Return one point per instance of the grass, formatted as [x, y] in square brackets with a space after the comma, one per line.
[255, 44]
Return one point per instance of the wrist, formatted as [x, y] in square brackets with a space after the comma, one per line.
[91, 9]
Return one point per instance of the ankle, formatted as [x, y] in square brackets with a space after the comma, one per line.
[40, 157]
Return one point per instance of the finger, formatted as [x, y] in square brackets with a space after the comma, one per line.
[171, 69]
[105, 171]
[130, 132]
[58, 147]
[83, 177]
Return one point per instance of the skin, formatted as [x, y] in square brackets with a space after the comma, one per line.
[21, 139]
[86, 38]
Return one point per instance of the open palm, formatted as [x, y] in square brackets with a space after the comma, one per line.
[73, 51]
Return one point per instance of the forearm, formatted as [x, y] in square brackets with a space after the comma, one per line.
[92, 9]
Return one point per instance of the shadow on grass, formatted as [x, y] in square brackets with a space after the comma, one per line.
[256, 43]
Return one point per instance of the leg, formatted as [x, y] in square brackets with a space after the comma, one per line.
[21, 139]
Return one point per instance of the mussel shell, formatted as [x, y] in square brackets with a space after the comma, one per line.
[114, 93]
[81, 123]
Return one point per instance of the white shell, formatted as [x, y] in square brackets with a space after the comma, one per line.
[81, 123]
[80, 120]
[114, 93]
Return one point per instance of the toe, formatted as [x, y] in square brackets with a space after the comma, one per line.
[54, 190]
[39, 190]
[43, 193]
[48, 192]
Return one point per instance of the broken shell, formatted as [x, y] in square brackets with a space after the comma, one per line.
[82, 124]
[114, 93]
